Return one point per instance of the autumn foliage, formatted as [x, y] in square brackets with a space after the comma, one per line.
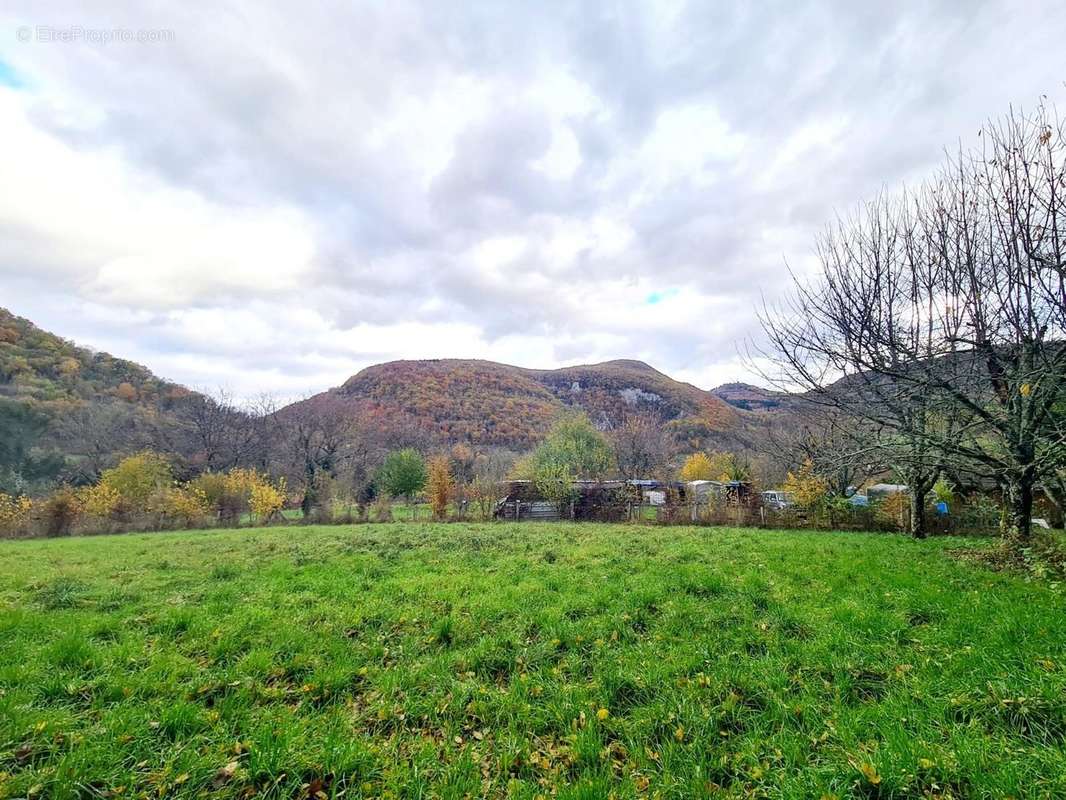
[805, 486]
[697, 467]
[140, 492]
[439, 486]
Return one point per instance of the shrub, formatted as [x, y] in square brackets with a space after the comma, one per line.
[894, 510]
[100, 500]
[807, 488]
[240, 490]
[213, 487]
[137, 479]
[439, 486]
[266, 499]
[943, 491]
[403, 474]
[381, 510]
[184, 504]
[14, 512]
[484, 494]
[60, 511]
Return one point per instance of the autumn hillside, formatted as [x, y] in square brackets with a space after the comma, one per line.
[39, 366]
[500, 405]
[64, 403]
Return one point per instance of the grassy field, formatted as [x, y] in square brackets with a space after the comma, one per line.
[582, 661]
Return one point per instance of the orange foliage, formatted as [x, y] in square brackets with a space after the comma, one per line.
[439, 486]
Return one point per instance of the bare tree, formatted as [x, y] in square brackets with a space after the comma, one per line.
[98, 434]
[315, 439]
[835, 445]
[938, 317]
[224, 433]
[641, 446]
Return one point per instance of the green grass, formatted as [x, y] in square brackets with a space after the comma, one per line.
[451, 661]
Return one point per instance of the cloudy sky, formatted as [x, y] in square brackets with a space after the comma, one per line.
[271, 199]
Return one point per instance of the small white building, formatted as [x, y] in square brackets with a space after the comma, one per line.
[654, 497]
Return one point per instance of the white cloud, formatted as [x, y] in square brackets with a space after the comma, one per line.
[126, 237]
[273, 201]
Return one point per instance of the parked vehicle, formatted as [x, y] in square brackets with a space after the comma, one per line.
[777, 500]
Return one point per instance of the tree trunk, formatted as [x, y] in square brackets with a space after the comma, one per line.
[919, 484]
[1018, 511]
[917, 526]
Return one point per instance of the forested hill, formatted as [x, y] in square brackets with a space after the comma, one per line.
[501, 405]
[69, 410]
[39, 366]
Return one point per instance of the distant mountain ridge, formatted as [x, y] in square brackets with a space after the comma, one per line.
[488, 403]
[433, 401]
[749, 397]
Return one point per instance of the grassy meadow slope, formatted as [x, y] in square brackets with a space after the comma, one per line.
[420, 660]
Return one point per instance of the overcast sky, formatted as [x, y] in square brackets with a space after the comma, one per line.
[269, 199]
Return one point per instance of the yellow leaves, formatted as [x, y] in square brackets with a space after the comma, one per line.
[14, 510]
[100, 500]
[870, 773]
[266, 499]
[697, 467]
[1025, 390]
[69, 366]
[679, 733]
[603, 714]
[806, 487]
[926, 763]
[137, 479]
[439, 486]
[180, 503]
